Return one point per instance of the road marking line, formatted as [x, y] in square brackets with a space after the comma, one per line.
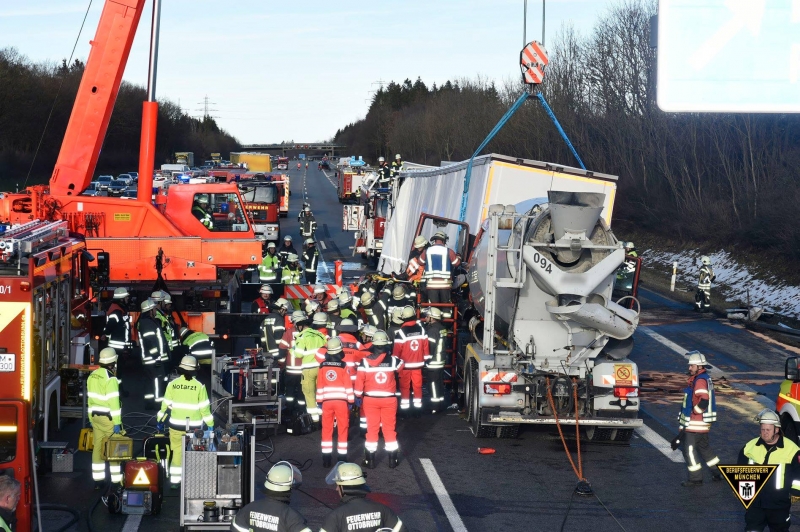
[322, 244]
[655, 439]
[132, 523]
[444, 499]
[712, 370]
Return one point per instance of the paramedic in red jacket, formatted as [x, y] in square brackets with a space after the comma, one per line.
[334, 393]
[412, 347]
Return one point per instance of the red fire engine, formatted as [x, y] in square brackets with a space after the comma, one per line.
[44, 319]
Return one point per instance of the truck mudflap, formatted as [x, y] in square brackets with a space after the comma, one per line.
[500, 417]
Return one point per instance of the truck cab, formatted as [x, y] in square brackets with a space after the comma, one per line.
[262, 202]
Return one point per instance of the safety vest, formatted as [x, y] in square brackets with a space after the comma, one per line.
[306, 345]
[186, 399]
[102, 395]
[204, 217]
[706, 274]
[780, 456]
[199, 344]
[268, 269]
[710, 413]
[437, 262]
[291, 275]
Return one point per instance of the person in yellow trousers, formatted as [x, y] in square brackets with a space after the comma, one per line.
[308, 342]
[105, 414]
[186, 401]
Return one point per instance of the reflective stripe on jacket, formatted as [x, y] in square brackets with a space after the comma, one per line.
[186, 398]
[102, 395]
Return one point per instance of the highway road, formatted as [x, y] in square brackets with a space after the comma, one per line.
[443, 483]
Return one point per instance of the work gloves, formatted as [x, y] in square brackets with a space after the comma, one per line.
[117, 429]
[160, 427]
[676, 442]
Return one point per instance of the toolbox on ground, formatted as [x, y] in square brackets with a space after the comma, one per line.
[117, 448]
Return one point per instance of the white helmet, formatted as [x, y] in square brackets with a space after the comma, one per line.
[108, 356]
[397, 156]
[188, 363]
[768, 417]
[346, 474]
[288, 237]
[629, 245]
[381, 159]
[705, 260]
[697, 358]
[157, 296]
[283, 477]
[291, 257]
[148, 305]
[320, 319]
[283, 303]
[203, 199]
[265, 289]
[312, 306]
[319, 289]
[121, 293]
[434, 312]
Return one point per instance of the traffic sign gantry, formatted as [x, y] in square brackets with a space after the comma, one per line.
[533, 59]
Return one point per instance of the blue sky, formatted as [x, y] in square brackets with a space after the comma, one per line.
[300, 70]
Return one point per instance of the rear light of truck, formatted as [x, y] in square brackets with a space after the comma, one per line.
[211, 293]
[626, 391]
[493, 388]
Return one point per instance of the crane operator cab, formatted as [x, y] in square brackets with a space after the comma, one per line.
[219, 212]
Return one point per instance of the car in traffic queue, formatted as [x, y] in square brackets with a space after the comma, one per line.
[104, 181]
[117, 187]
[129, 193]
[92, 190]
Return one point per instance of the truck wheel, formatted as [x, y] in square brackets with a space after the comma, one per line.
[623, 435]
[479, 430]
[596, 434]
[468, 394]
[509, 432]
[788, 427]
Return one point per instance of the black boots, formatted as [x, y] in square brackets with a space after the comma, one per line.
[393, 460]
[369, 459]
[326, 460]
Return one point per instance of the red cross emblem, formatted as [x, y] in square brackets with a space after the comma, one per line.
[381, 377]
[414, 345]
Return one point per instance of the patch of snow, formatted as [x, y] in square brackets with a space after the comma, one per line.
[733, 280]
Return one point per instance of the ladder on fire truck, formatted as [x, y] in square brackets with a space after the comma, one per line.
[21, 241]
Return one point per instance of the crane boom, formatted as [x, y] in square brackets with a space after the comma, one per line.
[97, 94]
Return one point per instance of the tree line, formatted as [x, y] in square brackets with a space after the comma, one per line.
[716, 178]
[28, 93]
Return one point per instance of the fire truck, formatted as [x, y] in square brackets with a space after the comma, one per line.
[350, 177]
[138, 244]
[282, 164]
[44, 330]
[262, 199]
[368, 220]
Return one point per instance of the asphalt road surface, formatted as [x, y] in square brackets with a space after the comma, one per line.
[443, 483]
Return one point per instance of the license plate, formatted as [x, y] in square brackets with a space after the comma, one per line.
[7, 363]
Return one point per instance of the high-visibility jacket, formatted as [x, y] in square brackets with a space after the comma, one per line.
[203, 216]
[785, 481]
[311, 259]
[152, 340]
[169, 329]
[118, 327]
[333, 381]
[376, 375]
[699, 408]
[186, 398]
[439, 262]
[354, 353]
[411, 345]
[306, 346]
[706, 276]
[3, 525]
[384, 176]
[397, 166]
[271, 332]
[199, 344]
[268, 269]
[308, 225]
[291, 274]
[294, 364]
[437, 338]
[102, 395]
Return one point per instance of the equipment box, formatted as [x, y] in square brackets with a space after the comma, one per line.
[62, 460]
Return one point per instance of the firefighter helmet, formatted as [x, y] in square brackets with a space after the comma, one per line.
[320, 318]
[420, 241]
[283, 303]
[188, 363]
[312, 306]
[381, 159]
[167, 297]
[434, 313]
[397, 315]
[408, 312]
[347, 325]
[309, 241]
[288, 238]
[148, 305]
[121, 293]
[398, 292]
[380, 338]
[768, 417]
[629, 246]
[345, 298]
[332, 306]
[334, 346]
[298, 316]
[705, 260]
[397, 156]
[202, 199]
[696, 358]
[271, 245]
[439, 236]
[108, 356]
[319, 289]
[369, 330]
[346, 474]
[367, 298]
[292, 257]
[265, 289]
[283, 477]
[157, 296]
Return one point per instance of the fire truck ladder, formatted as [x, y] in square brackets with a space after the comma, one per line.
[22, 240]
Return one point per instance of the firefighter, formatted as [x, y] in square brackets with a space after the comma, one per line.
[158, 297]
[273, 512]
[411, 346]
[306, 209]
[308, 224]
[295, 400]
[356, 509]
[334, 394]
[286, 249]
[398, 298]
[376, 383]
[263, 304]
[170, 315]
[437, 338]
[397, 166]
[10, 493]
[196, 343]
[702, 299]
[153, 344]
[354, 351]
[118, 322]
[292, 270]
[384, 174]
[438, 263]
[308, 341]
[698, 411]
[334, 317]
[200, 211]
[105, 414]
[319, 321]
[395, 322]
[186, 401]
[365, 334]
[270, 265]
[273, 326]
[345, 306]
[311, 306]
[310, 260]
[375, 310]
[420, 245]
[773, 504]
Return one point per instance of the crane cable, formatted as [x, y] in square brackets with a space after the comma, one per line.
[60, 85]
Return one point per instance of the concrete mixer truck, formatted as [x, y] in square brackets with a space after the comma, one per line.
[541, 341]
